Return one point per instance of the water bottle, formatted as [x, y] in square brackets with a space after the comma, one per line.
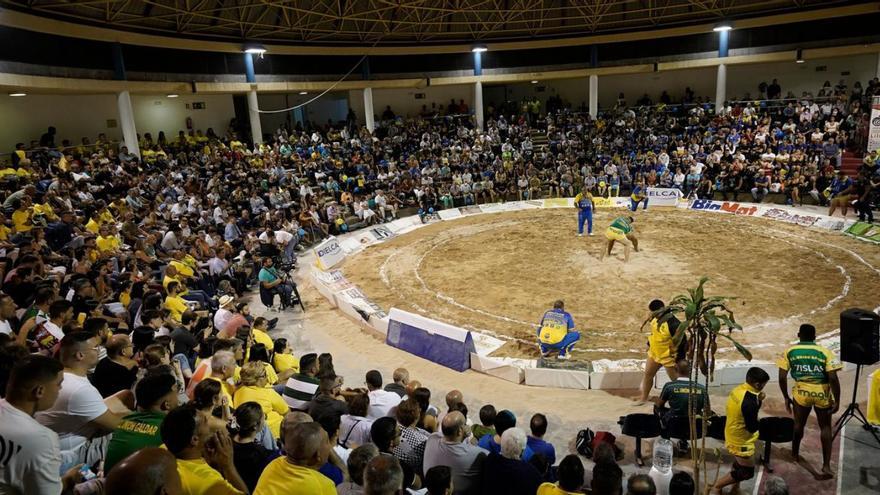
[661, 471]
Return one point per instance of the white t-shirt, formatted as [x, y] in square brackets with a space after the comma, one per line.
[78, 404]
[221, 317]
[281, 237]
[33, 464]
[5, 327]
[54, 329]
[381, 403]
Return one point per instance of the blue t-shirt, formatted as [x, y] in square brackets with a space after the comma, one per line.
[488, 443]
[557, 316]
[332, 472]
[546, 449]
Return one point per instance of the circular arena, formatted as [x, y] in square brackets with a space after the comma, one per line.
[497, 274]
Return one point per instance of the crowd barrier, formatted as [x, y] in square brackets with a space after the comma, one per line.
[462, 349]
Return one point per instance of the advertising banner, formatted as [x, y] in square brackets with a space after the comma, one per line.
[785, 216]
[864, 231]
[874, 129]
[659, 196]
[329, 254]
[724, 207]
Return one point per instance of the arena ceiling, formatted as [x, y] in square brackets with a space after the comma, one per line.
[400, 22]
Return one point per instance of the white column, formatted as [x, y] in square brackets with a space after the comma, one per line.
[369, 116]
[254, 114]
[126, 120]
[594, 96]
[478, 104]
[720, 87]
[877, 72]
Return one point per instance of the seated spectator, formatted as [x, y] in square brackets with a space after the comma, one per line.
[222, 369]
[204, 458]
[117, 371]
[329, 400]
[450, 449]
[453, 398]
[355, 428]
[683, 484]
[398, 386]
[155, 395]
[487, 422]
[34, 463]
[411, 449]
[253, 388]
[640, 484]
[357, 464]
[382, 402]
[148, 471]
[507, 473]
[438, 481]
[249, 456]
[383, 476]
[607, 479]
[538, 427]
[283, 359]
[80, 416]
[306, 446]
[300, 388]
[385, 434]
[492, 443]
[571, 479]
[335, 467]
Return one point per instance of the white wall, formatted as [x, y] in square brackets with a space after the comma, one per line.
[74, 117]
[404, 103]
[159, 113]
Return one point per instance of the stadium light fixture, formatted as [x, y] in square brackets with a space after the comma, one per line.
[255, 49]
[800, 56]
[303, 92]
[17, 94]
[479, 48]
[534, 81]
[724, 26]
[172, 95]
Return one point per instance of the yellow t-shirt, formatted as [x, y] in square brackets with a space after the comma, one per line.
[4, 233]
[271, 376]
[7, 171]
[284, 362]
[109, 243]
[176, 305]
[261, 337]
[198, 478]
[225, 388]
[93, 226]
[107, 217]
[21, 220]
[553, 489]
[273, 405]
[44, 209]
[283, 478]
[182, 268]
[181, 286]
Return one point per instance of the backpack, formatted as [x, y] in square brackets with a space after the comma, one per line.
[584, 442]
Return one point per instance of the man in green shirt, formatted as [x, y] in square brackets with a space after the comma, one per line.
[621, 230]
[675, 395]
[156, 394]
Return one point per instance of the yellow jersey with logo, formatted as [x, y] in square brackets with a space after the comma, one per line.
[741, 430]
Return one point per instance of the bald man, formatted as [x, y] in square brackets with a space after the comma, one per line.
[383, 476]
[150, 471]
[401, 379]
[448, 448]
[308, 448]
[453, 398]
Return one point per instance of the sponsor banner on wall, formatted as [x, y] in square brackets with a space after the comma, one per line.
[362, 305]
[614, 202]
[492, 208]
[329, 253]
[786, 216]
[724, 207]
[660, 196]
[449, 214]
[558, 202]
[382, 233]
[470, 210]
[864, 231]
[874, 129]
[405, 223]
[830, 223]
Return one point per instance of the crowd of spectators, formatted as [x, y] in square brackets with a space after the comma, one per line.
[124, 315]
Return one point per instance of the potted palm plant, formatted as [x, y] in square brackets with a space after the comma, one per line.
[703, 320]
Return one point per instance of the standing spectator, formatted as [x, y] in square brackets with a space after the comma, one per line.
[34, 461]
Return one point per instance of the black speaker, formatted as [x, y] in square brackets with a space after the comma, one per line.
[859, 336]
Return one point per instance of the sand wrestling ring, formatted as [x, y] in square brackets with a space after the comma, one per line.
[495, 275]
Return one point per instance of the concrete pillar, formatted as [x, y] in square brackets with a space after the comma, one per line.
[478, 63]
[126, 121]
[594, 96]
[877, 71]
[478, 104]
[723, 39]
[720, 87]
[369, 116]
[253, 103]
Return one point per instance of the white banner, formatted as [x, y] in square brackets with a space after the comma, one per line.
[874, 130]
[329, 254]
[658, 196]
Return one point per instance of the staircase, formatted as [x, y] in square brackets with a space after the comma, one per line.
[850, 164]
[539, 139]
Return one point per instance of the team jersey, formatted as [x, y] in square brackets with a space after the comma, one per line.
[554, 326]
[583, 201]
[638, 193]
[622, 224]
[676, 394]
[741, 430]
[809, 362]
[661, 335]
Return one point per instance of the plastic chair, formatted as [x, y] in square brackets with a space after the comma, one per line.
[640, 425]
[772, 430]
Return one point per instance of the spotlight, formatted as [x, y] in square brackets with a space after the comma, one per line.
[303, 92]
[534, 81]
[255, 49]
[479, 48]
[17, 94]
[724, 26]
[172, 96]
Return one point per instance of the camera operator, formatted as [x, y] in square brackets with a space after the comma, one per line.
[285, 241]
[272, 281]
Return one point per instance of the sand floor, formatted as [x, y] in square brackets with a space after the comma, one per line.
[497, 273]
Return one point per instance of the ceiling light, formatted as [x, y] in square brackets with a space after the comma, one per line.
[479, 48]
[17, 94]
[535, 81]
[724, 26]
[172, 96]
[255, 48]
[303, 92]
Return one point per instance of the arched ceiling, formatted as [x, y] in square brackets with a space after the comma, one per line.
[400, 22]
